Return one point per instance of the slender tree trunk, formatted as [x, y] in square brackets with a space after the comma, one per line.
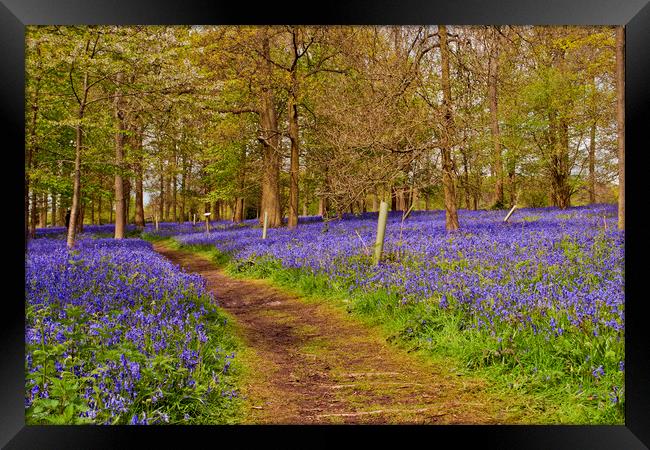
[183, 186]
[393, 199]
[415, 197]
[92, 210]
[592, 163]
[42, 217]
[174, 181]
[448, 179]
[292, 107]
[99, 210]
[120, 219]
[322, 206]
[139, 196]
[55, 220]
[494, 123]
[466, 184]
[76, 186]
[168, 197]
[80, 217]
[563, 193]
[270, 141]
[30, 149]
[34, 210]
[238, 215]
[620, 120]
[161, 200]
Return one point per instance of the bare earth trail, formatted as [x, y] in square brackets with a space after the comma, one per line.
[310, 363]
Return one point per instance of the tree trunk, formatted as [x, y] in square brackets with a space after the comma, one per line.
[80, 218]
[120, 219]
[31, 147]
[161, 199]
[448, 179]
[592, 163]
[238, 215]
[620, 120]
[174, 162]
[139, 196]
[34, 215]
[55, 221]
[322, 206]
[393, 199]
[168, 197]
[497, 163]
[183, 186]
[76, 186]
[92, 210]
[269, 137]
[42, 217]
[99, 210]
[292, 107]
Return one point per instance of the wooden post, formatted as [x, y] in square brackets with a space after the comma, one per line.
[510, 213]
[381, 231]
[207, 222]
[156, 219]
[194, 222]
[266, 224]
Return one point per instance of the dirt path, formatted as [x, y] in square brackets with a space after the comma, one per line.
[311, 363]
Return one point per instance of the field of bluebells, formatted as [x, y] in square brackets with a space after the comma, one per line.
[117, 334]
[539, 300]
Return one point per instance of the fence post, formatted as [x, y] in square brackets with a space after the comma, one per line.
[381, 231]
[510, 213]
[266, 223]
[207, 222]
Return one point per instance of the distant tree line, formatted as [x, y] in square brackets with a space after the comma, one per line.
[300, 120]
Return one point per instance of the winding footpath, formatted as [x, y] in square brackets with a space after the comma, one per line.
[311, 363]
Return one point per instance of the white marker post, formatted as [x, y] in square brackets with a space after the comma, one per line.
[510, 213]
[194, 221]
[266, 224]
[207, 222]
[156, 219]
[381, 231]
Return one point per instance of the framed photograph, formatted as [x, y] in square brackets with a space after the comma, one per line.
[480, 127]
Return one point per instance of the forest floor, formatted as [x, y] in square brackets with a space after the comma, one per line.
[307, 361]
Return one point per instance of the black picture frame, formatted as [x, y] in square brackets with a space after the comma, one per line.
[634, 14]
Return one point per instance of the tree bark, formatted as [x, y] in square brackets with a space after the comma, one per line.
[120, 209]
[620, 121]
[161, 199]
[592, 163]
[238, 215]
[269, 137]
[448, 180]
[34, 214]
[139, 195]
[55, 221]
[42, 217]
[292, 107]
[493, 74]
[173, 176]
[31, 147]
[76, 186]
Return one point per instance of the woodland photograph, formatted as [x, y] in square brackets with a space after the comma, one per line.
[324, 225]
